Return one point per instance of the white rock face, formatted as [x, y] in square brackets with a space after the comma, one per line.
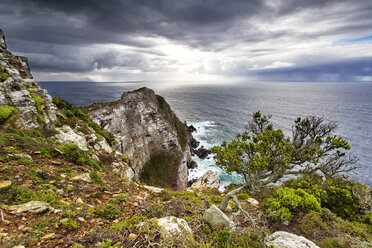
[66, 135]
[217, 219]
[210, 179]
[174, 227]
[144, 126]
[19, 88]
[289, 240]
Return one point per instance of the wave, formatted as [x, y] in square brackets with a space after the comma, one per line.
[208, 134]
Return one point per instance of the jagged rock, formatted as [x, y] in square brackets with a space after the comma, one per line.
[191, 129]
[66, 135]
[202, 152]
[20, 91]
[217, 219]
[5, 184]
[35, 207]
[282, 239]
[144, 125]
[194, 143]
[192, 165]
[153, 189]
[210, 179]
[174, 227]
[85, 177]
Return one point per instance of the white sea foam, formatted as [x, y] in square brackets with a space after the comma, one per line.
[206, 134]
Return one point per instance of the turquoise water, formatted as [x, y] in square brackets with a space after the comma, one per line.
[221, 111]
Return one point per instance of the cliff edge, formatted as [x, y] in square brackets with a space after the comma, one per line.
[149, 133]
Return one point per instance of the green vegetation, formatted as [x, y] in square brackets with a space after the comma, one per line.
[109, 211]
[39, 103]
[74, 114]
[287, 201]
[3, 74]
[6, 112]
[96, 178]
[128, 223]
[161, 171]
[77, 156]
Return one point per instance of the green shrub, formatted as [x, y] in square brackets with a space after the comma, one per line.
[6, 112]
[77, 156]
[335, 243]
[96, 178]
[312, 222]
[3, 74]
[155, 211]
[109, 211]
[25, 161]
[161, 171]
[288, 201]
[47, 152]
[119, 199]
[128, 223]
[312, 186]
[39, 103]
[165, 195]
[108, 244]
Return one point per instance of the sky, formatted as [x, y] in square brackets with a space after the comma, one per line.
[191, 40]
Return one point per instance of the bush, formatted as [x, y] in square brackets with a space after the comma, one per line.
[109, 211]
[6, 112]
[77, 156]
[312, 186]
[288, 201]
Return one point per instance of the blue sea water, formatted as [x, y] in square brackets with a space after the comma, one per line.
[220, 111]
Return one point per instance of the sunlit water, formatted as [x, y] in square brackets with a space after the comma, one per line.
[219, 112]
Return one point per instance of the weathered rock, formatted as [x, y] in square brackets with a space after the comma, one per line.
[85, 177]
[19, 90]
[192, 165]
[194, 143]
[253, 201]
[153, 189]
[49, 236]
[210, 179]
[202, 152]
[174, 227]
[217, 219]
[144, 125]
[35, 207]
[282, 239]
[190, 183]
[5, 184]
[67, 134]
[191, 129]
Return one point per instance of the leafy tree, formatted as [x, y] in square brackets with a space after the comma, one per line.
[264, 155]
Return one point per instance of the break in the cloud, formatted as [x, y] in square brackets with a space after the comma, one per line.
[121, 40]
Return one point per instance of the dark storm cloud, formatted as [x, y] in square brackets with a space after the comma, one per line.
[62, 36]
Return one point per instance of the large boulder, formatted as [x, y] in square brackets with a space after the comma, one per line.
[217, 219]
[66, 135]
[283, 239]
[210, 179]
[174, 227]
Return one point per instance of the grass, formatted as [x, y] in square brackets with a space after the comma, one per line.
[39, 103]
[6, 112]
[78, 157]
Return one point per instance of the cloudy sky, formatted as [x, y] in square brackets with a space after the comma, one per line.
[192, 40]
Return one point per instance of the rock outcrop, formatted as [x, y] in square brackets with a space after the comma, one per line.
[145, 125]
[217, 219]
[210, 179]
[20, 93]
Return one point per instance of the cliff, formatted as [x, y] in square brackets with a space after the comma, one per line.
[149, 132]
[21, 98]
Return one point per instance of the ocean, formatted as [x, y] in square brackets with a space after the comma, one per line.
[219, 111]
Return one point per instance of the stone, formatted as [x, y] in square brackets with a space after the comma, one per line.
[81, 219]
[283, 239]
[23, 155]
[202, 152]
[49, 236]
[253, 201]
[132, 237]
[35, 207]
[20, 227]
[173, 227]
[18, 246]
[42, 174]
[64, 220]
[5, 184]
[153, 189]
[192, 165]
[3, 234]
[85, 177]
[194, 143]
[210, 179]
[55, 162]
[191, 129]
[67, 134]
[217, 219]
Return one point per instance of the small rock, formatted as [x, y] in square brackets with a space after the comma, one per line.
[132, 237]
[54, 162]
[173, 227]
[20, 227]
[3, 234]
[5, 184]
[80, 201]
[253, 201]
[19, 246]
[42, 174]
[24, 155]
[217, 219]
[49, 236]
[32, 207]
[23, 218]
[289, 240]
[81, 219]
[153, 189]
[85, 177]
[63, 220]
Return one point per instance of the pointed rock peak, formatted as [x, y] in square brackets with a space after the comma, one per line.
[2, 40]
